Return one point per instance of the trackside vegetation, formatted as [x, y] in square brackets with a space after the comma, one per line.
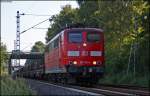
[130, 79]
[8, 85]
[14, 87]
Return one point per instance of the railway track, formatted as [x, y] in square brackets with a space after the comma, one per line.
[108, 90]
[136, 90]
[111, 90]
[103, 89]
[126, 86]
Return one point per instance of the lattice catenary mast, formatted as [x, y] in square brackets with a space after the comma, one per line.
[18, 38]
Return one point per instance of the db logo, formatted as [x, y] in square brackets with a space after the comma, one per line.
[84, 53]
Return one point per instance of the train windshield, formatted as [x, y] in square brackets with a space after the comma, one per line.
[93, 37]
[75, 37]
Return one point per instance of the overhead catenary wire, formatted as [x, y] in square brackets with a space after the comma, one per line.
[34, 14]
[35, 25]
[40, 28]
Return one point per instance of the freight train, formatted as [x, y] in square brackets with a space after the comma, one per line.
[74, 54]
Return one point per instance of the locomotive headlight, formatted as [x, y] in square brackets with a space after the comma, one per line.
[74, 62]
[84, 44]
[94, 62]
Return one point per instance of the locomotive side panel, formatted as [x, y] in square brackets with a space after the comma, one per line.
[53, 56]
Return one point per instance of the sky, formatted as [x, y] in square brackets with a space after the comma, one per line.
[8, 21]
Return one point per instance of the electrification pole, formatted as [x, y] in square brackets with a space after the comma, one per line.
[17, 41]
[18, 32]
[18, 38]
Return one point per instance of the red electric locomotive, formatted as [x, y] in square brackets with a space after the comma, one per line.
[78, 52]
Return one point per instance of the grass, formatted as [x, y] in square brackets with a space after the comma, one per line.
[129, 79]
[14, 87]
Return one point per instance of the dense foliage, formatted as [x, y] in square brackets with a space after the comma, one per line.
[3, 58]
[38, 47]
[125, 24]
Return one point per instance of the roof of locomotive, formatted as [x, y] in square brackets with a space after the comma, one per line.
[84, 29]
[75, 29]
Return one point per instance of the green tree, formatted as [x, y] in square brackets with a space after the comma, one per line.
[3, 57]
[38, 47]
[86, 13]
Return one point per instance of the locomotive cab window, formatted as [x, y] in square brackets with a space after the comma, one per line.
[93, 37]
[56, 43]
[75, 37]
[51, 46]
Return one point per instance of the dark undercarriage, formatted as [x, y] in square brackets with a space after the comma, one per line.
[80, 74]
[89, 74]
[85, 70]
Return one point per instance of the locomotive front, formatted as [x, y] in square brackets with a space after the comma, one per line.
[83, 52]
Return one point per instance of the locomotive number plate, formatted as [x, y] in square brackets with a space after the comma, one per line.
[85, 62]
